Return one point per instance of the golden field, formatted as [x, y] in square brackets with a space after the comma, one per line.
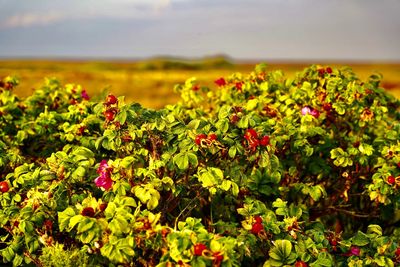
[151, 82]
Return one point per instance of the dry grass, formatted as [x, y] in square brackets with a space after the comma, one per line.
[151, 84]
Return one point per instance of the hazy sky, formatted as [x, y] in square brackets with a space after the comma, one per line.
[242, 29]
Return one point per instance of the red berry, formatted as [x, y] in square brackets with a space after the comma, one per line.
[391, 180]
[329, 70]
[238, 86]
[218, 257]
[200, 137]
[321, 72]
[397, 252]
[250, 134]
[196, 87]
[88, 211]
[111, 100]
[254, 143]
[258, 219]
[110, 114]
[4, 187]
[199, 248]
[103, 206]
[81, 130]
[212, 137]
[301, 264]
[235, 119]
[398, 164]
[257, 228]
[265, 140]
[48, 224]
[333, 242]
[327, 106]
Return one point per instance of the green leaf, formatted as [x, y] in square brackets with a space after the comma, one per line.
[192, 159]
[281, 253]
[243, 122]
[224, 112]
[127, 161]
[119, 225]
[64, 217]
[182, 160]
[375, 230]
[366, 149]
[222, 125]
[85, 225]
[75, 220]
[252, 104]
[340, 108]
[232, 151]
[360, 239]
[324, 259]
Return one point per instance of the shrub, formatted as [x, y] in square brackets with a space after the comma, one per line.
[262, 170]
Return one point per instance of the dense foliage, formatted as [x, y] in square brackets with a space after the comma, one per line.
[261, 170]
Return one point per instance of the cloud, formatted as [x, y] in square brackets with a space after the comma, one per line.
[27, 20]
[39, 15]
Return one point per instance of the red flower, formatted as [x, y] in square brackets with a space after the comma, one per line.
[329, 70]
[220, 82]
[196, 87]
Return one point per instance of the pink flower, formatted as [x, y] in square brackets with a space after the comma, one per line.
[220, 82]
[104, 180]
[103, 166]
[354, 251]
[307, 110]
[84, 95]
[315, 113]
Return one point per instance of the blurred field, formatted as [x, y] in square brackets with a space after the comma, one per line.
[151, 82]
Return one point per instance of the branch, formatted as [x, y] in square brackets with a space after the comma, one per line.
[35, 261]
[352, 213]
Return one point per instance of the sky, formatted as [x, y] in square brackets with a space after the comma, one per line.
[241, 29]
